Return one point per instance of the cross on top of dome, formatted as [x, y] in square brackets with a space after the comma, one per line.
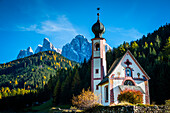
[98, 28]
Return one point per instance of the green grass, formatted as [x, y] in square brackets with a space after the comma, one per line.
[45, 107]
[48, 107]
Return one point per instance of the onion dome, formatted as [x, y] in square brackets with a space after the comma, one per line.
[98, 28]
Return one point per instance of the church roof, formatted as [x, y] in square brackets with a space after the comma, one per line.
[116, 62]
[137, 88]
[110, 70]
[104, 80]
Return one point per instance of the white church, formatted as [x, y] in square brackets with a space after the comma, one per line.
[125, 72]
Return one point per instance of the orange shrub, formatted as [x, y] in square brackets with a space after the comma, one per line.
[85, 100]
[131, 96]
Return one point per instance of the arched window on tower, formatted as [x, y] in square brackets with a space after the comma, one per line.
[128, 72]
[97, 47]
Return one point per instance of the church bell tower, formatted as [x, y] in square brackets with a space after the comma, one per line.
[98, 63]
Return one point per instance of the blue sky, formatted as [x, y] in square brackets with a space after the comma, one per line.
[25, 23]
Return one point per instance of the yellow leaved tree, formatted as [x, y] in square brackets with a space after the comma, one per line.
[86, 99]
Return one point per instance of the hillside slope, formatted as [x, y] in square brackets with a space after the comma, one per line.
[33, 71]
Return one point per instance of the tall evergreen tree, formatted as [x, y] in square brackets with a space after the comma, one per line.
[76, 84]
[65, 91]
[56, 94]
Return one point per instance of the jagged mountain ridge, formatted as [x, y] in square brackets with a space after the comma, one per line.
[79, 49]
[25, 53]
[47, 46]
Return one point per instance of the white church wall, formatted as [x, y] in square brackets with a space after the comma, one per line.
[116, 93]
[135, 68]
[103, 95]
[97, 92]
[104, 65]
[96, 53]
[142, 85]
[97, 64]
[119, 69]
[96, 82]
[104, 56]
[117, 83]
[116, 89]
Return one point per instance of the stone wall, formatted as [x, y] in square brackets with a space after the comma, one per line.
[129, 109]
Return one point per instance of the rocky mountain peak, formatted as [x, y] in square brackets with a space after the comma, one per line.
[78, 49]
[25, 53]
[47, 45]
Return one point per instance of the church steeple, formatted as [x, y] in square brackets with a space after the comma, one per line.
[98, 63]
[98, 28]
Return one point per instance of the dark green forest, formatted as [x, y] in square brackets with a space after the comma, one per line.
[153, 54]
[53, 76]
[33, 71]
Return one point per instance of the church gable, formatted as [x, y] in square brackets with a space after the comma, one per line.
[127, 66]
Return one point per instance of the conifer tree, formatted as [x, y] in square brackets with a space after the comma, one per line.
[134, 45]
[65, 91]
[158, 41]
[154, 52]
[76, 83]
[166, 49]
[109, 57]
[56, 94]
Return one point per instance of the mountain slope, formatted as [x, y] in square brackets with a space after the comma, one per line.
[33, 71]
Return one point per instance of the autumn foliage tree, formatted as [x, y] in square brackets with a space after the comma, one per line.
[85, 100]
[131, 96]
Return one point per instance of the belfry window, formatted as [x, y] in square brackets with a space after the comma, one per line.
[128, 72]
[97, 47]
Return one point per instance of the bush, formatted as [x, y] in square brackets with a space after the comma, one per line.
[167, 102]
[131, 96]
[86, 99]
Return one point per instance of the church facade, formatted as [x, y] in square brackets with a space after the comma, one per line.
[125, 72]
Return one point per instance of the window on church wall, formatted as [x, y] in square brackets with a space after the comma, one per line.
[106, 93]
[128, 72]
[97, 71]
[138, 75]
[97, 87]
[129, 82]
[144, 77]
[97, 47]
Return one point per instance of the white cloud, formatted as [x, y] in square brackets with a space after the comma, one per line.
[118, 35]
[60, 31]
[61, 24]
[130, 33]
[30, 28]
